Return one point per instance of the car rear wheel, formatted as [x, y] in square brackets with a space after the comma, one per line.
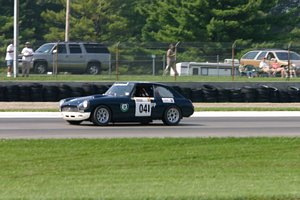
[40, 68]
[101, 116]
[93, 68]
[172, 116]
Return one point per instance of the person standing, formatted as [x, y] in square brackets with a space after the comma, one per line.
[171, 60]
[27, 54]
[9, 58]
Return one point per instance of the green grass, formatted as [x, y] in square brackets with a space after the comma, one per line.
[157, 78]
[209, 168]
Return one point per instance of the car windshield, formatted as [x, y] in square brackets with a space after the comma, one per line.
[120, 89]
[284, 56]
[46, 48]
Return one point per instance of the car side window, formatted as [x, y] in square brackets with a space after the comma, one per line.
[75, 48]
[270, 56]
[261, 55]
[163, 92]
[61, 48]
[143, 91]
[250, 55]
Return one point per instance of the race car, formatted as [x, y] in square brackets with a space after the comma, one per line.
[140, 102]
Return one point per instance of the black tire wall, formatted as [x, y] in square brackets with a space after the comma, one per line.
[197, 92]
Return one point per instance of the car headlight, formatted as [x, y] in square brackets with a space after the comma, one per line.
[61, 102]
[84, 105]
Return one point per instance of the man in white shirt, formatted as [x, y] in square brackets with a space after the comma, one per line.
[9, 58]
[27, 54]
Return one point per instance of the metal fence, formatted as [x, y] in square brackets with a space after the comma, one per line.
[150, 58]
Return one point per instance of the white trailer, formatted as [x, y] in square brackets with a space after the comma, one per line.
[206, 68]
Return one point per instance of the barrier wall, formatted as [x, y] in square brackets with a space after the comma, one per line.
[197, 92]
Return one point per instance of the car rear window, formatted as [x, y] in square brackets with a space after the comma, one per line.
[96, 48]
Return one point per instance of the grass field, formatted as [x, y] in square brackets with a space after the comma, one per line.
[209, 168]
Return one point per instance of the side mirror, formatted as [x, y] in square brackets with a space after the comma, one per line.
[54, 51]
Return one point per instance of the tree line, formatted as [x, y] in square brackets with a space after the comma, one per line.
[147, 26]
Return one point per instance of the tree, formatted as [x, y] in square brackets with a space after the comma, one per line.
[92, 20]
[173, 20]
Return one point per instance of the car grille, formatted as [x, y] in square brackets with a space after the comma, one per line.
[69, 109]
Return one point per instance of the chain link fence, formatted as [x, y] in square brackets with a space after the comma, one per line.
[133, 58]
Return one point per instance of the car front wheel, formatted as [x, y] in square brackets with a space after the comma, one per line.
[172, 116]
[40, 68]
[101, 116]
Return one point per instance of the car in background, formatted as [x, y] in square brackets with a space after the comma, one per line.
[72, 57]
[129, 102]
[253, 58]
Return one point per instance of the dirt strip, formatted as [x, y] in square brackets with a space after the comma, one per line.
[54, 105]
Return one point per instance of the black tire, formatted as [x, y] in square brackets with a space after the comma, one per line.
[101, 116]
[172, 116]
[93, 68]
[74, 122]
[40, 68]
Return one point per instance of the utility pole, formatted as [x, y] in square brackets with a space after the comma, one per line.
[67, 21]
[232, 60]
[16, 36]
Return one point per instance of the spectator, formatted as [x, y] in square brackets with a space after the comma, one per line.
[27, 54]
[277, 68]
[9, 58]
[171, 60]
[264, 66]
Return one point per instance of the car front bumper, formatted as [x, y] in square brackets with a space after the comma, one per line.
[75, 116]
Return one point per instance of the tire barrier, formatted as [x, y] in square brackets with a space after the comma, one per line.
[53, 92]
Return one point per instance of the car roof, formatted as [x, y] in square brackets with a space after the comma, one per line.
[141, 83]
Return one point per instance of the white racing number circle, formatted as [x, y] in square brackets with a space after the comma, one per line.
[142, 107]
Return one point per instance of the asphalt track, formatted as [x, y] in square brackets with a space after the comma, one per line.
[27, 125]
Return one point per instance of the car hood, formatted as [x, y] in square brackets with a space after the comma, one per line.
[79, 100]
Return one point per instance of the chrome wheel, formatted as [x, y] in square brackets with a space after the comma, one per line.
[93, 69]
[172, 116]
[101, 116]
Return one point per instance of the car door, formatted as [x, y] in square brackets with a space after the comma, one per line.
[142, 101]
[74, 59]
[59, 57]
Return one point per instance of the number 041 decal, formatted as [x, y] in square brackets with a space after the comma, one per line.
[142, 109]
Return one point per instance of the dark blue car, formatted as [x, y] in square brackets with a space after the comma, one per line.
[129, 102]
